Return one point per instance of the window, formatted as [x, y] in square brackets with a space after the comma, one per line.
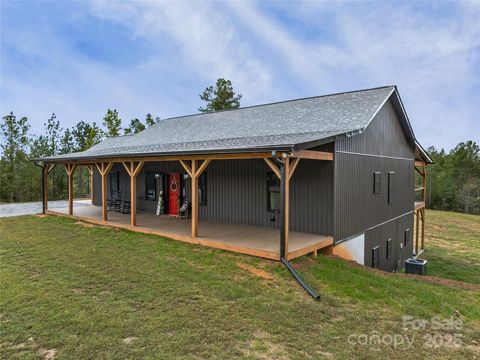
[202, 189]
[406, 238]
[150, 186]
[273, 192]
[391, 187]
[389, 248]
[113, 179]
[375, 256]
[377, 182]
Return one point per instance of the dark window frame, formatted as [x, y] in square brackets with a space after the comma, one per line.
[111, 175]
[377, 182]
[202, 189]
[389, 248]
[271, 177]
[406, 236]
[391, 187]
[376, 257]
[147, 187]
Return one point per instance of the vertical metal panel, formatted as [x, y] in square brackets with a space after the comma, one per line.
[356, 206]
[394, 230]
[384, 136]
[237, 193]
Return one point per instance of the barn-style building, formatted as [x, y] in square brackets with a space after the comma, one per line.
[334, 173]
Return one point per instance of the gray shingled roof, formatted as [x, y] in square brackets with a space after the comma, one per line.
[275, 126]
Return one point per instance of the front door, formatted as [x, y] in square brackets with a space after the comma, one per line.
[173, 193]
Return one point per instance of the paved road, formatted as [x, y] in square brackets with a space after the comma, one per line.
[30, 208]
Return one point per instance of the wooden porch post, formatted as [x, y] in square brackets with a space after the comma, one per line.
[70, 168]
[45, 187]
[287, 203]
[289, 168]
[47, 168]
[195, 171]
[417, 213]
[104, 169]
[133, 169]
[90, 171]
[194, 200]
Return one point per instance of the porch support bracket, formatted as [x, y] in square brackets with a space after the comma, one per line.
[104, 168]
[70, 169]
[133, 169]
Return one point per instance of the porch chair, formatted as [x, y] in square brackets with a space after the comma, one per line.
[184, 211]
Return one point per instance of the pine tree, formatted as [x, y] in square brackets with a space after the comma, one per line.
[112, 123]
[220, 97]
[135, 127]
[14, 134]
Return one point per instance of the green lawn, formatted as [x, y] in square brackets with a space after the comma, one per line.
[452, 244]
[71, 291]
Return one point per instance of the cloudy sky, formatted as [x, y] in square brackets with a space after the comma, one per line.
[78, 58]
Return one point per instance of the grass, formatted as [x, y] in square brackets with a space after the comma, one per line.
[72, 291]
[452, 241]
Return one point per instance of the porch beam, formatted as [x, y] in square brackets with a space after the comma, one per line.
[194, 200]
[313, 155]
[272, 166]
[253, 155]
[420, 163]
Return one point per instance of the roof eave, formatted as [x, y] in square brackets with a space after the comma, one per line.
[59, 159]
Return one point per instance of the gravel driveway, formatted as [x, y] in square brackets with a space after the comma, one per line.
[30, 208]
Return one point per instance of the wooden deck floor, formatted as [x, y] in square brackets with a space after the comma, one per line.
[245, 239]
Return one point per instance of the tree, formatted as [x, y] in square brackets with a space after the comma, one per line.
[86, 135]
[220, 97]
[149, 120]
[112, 122]
[135, 127]
[67, 143]
[14, 134]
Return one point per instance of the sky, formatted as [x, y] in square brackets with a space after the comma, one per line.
[80, 58]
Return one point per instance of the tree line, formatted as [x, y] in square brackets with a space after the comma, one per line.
[453, 181]
[20, 179]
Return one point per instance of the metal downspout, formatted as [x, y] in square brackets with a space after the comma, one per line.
[283, 258]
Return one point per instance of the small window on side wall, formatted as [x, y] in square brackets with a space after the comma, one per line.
[406, 238]
[391, 187]
[273, 192]
[375, 257]
[202, 189]
[389, 248]
[377, 182]
[150, 186]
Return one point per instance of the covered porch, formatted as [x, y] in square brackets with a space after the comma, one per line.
[246, 239]
[272, 242]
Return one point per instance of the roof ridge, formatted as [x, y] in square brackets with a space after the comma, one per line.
[278, 102]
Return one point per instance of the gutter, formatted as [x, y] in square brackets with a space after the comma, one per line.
[283, 258]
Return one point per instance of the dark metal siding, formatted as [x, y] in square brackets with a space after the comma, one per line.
[394, 230]
[384, 136]
[356, 207]
[237, 193]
